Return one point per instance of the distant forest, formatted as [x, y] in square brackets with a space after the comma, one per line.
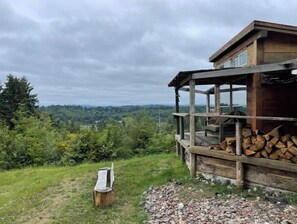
[88, 115]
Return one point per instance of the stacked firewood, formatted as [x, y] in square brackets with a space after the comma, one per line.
[272, 145]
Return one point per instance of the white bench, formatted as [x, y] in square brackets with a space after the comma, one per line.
[103, 190]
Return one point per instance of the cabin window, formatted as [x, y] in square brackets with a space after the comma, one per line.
[242, 58]
[227, 64]
[238, 61]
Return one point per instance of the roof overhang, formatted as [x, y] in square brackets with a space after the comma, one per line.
[227, 75]
[253, 28]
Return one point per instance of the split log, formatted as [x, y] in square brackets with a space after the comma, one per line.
[274, 141]
[269, 144]
[246, 142]
[280, 145]
[293, 150]
[258, 132]
[223, 145]
[294, 139]
[284, 150]
[230, 140]
[264, 153]
[245, 145]
[230, 149]
[289, 144]
[267, 137]
[249, 152]
[246, 132]
[275, 132]
[257, 155]
[279, 153]
[214, 147]
[289, 155]
[268, 149]
[253, 139]
[260, 143]
[285, 138]
[254, 148]
[273, 156]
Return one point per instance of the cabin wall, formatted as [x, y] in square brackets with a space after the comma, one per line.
[279, 101]
[279, 47]
[272, 48]
[275, 101]
[270, 100]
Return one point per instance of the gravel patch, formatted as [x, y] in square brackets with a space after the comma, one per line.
[164, 206]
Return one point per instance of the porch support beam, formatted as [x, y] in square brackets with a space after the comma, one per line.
[192, 127]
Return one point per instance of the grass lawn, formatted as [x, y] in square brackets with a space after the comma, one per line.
[65, 194]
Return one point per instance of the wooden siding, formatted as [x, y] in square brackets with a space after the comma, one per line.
[278, 101]
[215, 166]
[253, 174]
[279, 47]
[271, 177]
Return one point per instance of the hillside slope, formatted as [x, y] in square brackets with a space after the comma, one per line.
[64, 194]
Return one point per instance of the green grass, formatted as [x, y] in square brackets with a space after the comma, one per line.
[64, 194]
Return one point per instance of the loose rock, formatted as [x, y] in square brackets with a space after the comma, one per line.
[164, 206]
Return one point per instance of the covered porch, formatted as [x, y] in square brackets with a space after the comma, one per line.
[195, 148]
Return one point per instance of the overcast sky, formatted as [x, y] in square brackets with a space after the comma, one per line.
[96, 52]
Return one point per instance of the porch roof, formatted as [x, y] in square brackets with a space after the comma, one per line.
[234, 75]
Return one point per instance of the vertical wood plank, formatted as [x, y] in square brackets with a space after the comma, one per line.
[207, 103]
[176, 101]
[182, 154]
[221, 132]
[239, 165]
[178, 146]
[238, 129]
[192, 127]
[231, 96]
[217, 98]
[181, 128]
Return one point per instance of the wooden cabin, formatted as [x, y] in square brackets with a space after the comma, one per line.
[261, 60]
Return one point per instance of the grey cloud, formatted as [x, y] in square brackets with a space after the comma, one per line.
[119, 52]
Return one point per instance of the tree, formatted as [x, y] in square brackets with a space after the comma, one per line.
[14, 96]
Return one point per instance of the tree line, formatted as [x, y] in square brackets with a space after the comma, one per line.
[30, 136]
[34, 136]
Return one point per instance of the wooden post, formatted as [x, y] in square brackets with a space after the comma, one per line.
[178, 146]
[192, 127]
[221, 132]
[181, 128]
[182, 153]
[239, 165]
[207, 103]
[231, 97]
[176, 100]
[217, 99]
[177, 118]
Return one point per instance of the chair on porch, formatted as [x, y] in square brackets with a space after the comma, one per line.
[221, 127]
